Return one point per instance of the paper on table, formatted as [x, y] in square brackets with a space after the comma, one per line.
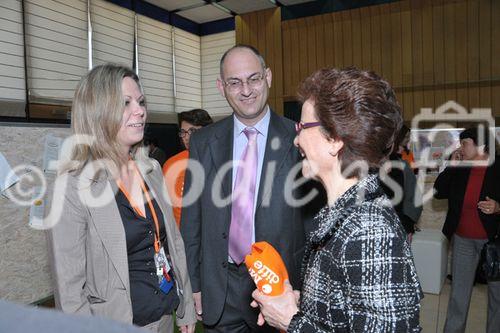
[7, 176]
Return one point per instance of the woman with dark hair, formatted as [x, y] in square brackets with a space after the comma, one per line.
[358, 272]
[408, 204]
[473, 217]
[174, 169]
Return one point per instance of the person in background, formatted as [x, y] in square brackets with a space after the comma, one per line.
[409, 206]
[244, 204]
[404, 150]
[473, 217]
[155, 151]
[359, 274]
[115, 251]
[174, 169]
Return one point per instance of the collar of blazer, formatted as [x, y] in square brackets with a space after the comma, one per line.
[105, 215]
[96, 171]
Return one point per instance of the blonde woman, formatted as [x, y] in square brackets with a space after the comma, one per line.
[115, 249]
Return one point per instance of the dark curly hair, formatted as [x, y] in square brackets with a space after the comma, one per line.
[196, 117]
[357, 107]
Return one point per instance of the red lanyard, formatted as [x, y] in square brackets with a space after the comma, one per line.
[157, 243]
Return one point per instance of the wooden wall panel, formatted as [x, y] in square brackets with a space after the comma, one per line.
[263, 30]
[485, 52]
[473, 50]
[376, 48]
[406, 59]
[366, 42]
[311, 46]
[356, 38]
[386, 42]
[431, 51]
[417, 58]
[347, 38]
[495, 50]
[338, 40]
[427, 53]
[328, 41]
[319, 27]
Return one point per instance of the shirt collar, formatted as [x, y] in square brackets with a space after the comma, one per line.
[262, 126]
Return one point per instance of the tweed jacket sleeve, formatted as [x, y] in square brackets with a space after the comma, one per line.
[380, 283]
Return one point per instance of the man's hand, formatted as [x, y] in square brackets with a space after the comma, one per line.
[489, 206]
[197, 305]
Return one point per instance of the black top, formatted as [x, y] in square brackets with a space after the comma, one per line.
[149, 303]
[397, 175]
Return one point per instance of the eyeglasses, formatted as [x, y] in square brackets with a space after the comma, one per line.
[300, 126]
[182, 133]
[255, 81]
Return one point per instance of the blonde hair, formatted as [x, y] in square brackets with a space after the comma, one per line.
[97, 112]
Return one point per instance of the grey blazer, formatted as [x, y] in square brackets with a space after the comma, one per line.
[88, 250]
[205, 226]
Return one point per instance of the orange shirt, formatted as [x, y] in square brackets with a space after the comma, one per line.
[174, 171]
[408, 157]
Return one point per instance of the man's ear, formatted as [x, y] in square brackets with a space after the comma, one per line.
[269, 77]
[220, 86]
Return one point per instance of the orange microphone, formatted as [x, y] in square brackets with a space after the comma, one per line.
[267, 269]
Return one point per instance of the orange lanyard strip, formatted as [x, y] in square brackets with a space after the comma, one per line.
[157, 243]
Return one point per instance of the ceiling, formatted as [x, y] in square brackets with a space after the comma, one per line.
[202, 11]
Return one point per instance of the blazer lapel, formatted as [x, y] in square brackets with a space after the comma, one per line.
[108, 223]
[221, 149]
[277, 136]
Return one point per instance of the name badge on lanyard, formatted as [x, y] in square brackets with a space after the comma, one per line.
[163, 268]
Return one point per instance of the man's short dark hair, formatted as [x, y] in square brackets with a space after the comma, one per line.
[196, 117]
[473, 133]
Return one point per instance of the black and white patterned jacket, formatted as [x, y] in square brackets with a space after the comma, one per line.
[358, 273]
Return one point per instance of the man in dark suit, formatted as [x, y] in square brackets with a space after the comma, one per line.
[245, 196]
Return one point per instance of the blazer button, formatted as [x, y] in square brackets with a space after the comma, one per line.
[224, 264]
[156, 292]
[224, 235]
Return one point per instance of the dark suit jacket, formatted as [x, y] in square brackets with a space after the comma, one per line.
[451, 184]
[205, 227]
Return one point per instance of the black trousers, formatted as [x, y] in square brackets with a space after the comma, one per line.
[238, 316]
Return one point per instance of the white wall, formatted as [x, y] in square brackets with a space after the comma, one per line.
[57, 56]
[187, 70]
[12, 85]
[56, 37]
[155, 64]
[212, 49]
